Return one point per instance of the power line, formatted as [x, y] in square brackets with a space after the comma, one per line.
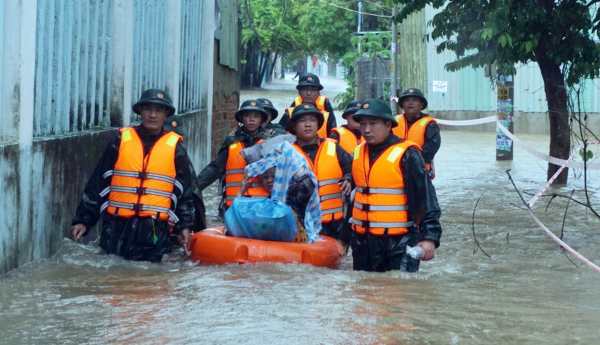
[350, 10]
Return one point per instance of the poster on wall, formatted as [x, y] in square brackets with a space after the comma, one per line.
[440, 86]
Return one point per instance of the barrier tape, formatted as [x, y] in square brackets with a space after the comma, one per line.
[563, 164]
[542, 156]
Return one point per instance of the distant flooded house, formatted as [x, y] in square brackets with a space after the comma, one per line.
[71, 71]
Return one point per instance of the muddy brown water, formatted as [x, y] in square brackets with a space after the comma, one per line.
[527, 292]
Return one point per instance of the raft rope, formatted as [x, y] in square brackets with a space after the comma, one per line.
[563, 164]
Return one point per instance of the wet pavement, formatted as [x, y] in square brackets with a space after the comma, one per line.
[526, 292]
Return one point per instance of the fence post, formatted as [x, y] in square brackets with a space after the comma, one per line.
[18, 71]
[122, 63]
[173, 50]
[505, 113]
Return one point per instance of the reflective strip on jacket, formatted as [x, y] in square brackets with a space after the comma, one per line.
[380, 203]
[348, 141]
[234, 174]
[320, 104]
[143, 185]
[329, 173]
[416, 134]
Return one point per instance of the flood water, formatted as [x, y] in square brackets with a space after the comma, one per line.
[527, 292]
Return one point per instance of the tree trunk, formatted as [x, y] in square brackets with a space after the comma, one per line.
[560, 131]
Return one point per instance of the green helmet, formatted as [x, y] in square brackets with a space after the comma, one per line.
[268, 106]
[308, 79]
[154, 96]
[412, 92]
[352, 108]
[172, 124]
[375, 108]
[301, 110]
[251, 104]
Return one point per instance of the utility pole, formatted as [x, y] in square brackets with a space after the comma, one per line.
[394, 64]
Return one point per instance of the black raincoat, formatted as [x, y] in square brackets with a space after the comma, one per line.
[137, 238]
[384, 253]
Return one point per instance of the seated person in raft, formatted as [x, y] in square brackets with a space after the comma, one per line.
[285, 176]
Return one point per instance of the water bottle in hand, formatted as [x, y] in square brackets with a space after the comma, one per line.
[414, 252]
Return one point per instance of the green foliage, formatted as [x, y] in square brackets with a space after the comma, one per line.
[587, 155]
[503, 33]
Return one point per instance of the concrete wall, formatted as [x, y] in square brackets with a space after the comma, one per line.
[42, 177]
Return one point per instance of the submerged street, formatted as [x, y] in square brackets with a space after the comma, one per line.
[526, 292]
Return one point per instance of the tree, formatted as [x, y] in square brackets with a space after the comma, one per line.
[558, 35]
[267, 31]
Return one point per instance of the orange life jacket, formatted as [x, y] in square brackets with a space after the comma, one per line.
[320, 104]
[234, 174]
[329, 172]
[143, 185]
[416, 134]
[380, 202]
[348, 141]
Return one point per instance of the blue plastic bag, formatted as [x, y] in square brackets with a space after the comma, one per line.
[261, 219]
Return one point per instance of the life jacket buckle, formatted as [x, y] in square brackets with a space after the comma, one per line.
[143, 175]
[137, 207]
[141, 190]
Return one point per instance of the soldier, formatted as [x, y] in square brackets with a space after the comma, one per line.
[330, 163]
[309, 91]
[348, 136]
[229, 162]
[141, 183]
[417, 127]
[272, 113]
[395, 203]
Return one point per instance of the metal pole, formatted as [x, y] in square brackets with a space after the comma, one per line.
[394, 65]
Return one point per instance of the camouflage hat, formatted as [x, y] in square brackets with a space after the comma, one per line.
[352, 108]
[268, 106]
[251, 104]
[301, 110]
[172, 124]
[154, 96]
[412, 92]
[375, 108]
[308, 79]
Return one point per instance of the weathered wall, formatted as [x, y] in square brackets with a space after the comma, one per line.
[41, 186]
[226, 93]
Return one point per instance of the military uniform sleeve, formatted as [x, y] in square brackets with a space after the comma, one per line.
[433, 141]
[185, 201]
[88, 210]
[423, 205]
[335, 136]
[345, 161]
[214, 170]
[285, 118]
[331, 122]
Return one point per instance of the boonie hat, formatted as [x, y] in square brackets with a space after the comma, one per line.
[308, 79]
[412, 92]
[154, 96]
[375, 108]
[251, 104]
[301, 110]
[352, 108]
[268, 105]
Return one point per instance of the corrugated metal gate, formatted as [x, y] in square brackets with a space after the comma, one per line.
[190, 99]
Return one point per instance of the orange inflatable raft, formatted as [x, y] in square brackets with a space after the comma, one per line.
[211, 246]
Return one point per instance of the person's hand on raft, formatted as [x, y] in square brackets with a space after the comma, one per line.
[184, 238]
[346, 187]
[77, 231]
